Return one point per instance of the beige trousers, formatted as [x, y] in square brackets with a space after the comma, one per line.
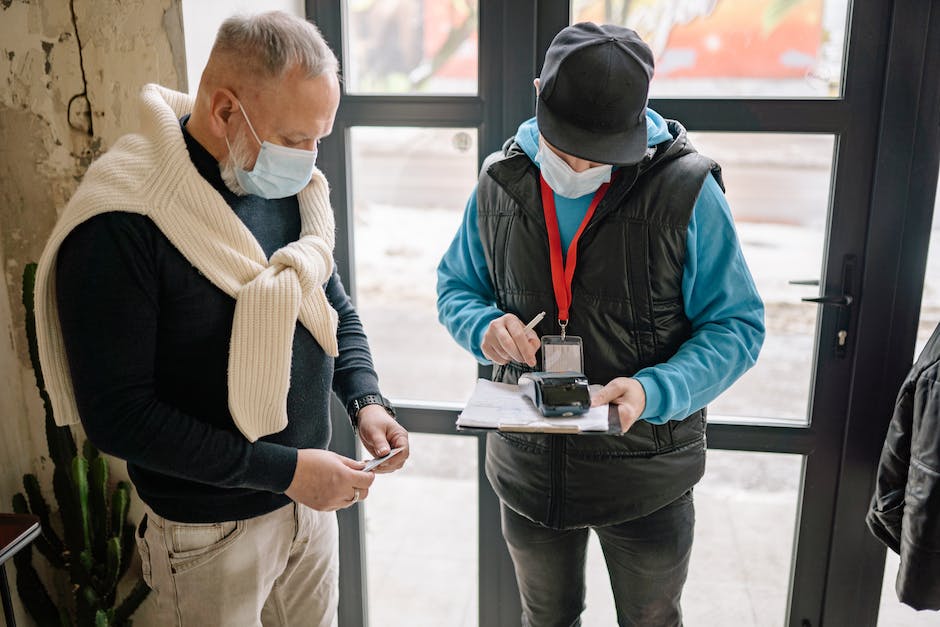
[278, 569]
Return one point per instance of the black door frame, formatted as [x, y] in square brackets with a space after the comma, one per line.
[903, 197]
[883, 153]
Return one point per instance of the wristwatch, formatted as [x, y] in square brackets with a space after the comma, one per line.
[369, 399]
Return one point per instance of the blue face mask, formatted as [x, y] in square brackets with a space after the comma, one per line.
[279, 171]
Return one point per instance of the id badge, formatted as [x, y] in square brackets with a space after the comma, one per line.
[562, 354]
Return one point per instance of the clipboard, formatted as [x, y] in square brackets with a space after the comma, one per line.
[540, 428]
[502, 407]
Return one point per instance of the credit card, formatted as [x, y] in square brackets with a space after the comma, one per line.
[378, 461]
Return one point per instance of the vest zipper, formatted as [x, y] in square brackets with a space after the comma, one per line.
[605, 202]
[557, 446]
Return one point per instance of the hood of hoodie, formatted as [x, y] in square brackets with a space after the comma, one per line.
[527, 136]
[668, 137]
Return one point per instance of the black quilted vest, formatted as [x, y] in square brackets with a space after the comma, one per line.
[628, 309]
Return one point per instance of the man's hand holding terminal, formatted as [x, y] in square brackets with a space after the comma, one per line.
[629, 397]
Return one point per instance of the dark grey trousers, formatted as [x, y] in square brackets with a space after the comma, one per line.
[647, 560]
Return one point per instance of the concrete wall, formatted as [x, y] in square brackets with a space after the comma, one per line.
[50, 52]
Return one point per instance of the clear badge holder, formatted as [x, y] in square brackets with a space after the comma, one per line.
[562, 353]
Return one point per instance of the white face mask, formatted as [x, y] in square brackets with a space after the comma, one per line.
[279, 171]
[566, 182]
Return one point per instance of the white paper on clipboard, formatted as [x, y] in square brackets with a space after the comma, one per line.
[501, 405]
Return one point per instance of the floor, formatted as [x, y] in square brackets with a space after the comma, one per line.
[421, 544]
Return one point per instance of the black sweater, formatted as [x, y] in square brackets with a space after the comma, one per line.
[147, 340]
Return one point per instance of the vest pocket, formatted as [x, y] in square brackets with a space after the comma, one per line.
[688, 430]
[640, 441]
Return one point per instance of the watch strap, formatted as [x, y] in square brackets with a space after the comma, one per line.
[358, 403]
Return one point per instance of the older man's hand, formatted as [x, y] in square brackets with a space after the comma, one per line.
[380, 433]
[326, 481]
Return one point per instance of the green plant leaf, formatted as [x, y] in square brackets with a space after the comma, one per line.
[65, 496]
[94, 549]
[87, 562]
[87, 604]
[80, 488]
[120, 504]
[113, 568]
[61, 444]
[89, 450]
[98, 493]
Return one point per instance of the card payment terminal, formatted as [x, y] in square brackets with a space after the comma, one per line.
[557, 393]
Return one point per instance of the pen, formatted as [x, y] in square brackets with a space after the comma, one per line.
[535, 321]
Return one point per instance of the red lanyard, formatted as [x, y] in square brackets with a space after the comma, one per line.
[563, 267]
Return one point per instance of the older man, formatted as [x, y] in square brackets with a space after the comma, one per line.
[190, 315]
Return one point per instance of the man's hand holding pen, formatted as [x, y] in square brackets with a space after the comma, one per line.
[508, 339]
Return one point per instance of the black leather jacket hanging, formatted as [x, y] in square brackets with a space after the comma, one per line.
[905, 510]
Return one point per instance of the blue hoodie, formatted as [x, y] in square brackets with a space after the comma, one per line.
[720, 298]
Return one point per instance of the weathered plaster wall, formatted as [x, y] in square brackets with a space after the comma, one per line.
[52, 52]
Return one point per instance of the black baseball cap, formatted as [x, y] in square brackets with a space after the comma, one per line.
[593, 92]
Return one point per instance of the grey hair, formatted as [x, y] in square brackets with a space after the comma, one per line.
[275, 42]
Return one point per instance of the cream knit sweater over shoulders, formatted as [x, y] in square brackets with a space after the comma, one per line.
[150, 173]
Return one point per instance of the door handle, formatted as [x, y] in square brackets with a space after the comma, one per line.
[842, 301]
[803, 282]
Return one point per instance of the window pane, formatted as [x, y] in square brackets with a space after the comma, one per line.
[778, 190]
[734, 48]
[892, 612]
[411, 46]
[745, 517]
[410, 187]
[421, 537]
[930, 303]
[201, 21]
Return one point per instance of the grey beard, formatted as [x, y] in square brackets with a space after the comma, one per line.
[235, 159]
[227, 170]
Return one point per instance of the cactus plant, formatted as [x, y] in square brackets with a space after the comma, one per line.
[95, 547]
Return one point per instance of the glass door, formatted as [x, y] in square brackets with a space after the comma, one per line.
[790, 98]
[402, 161]
[779, 96]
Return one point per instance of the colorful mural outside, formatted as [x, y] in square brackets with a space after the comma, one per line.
[776, 47]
